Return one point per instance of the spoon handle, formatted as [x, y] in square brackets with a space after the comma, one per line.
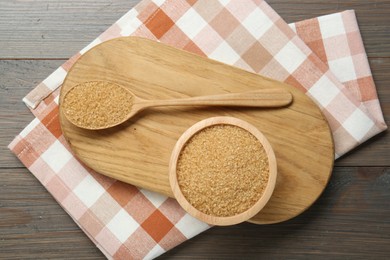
[261, 98]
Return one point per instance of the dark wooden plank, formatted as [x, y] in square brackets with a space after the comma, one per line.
[58, 29]
[373, 18]
[351, 219]
[368, 12]
[17, 78]
[34, 226]
[55, 29]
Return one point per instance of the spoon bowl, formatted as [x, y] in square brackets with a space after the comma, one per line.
[96, 105]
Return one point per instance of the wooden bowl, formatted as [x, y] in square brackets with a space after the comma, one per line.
[216, 220]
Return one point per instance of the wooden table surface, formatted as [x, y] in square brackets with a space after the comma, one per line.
[350, 220]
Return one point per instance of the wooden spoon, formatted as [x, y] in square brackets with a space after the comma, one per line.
[98, 105]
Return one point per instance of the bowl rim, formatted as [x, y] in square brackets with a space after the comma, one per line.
[215, 220]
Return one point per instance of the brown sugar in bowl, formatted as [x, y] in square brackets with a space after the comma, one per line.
[222, 171]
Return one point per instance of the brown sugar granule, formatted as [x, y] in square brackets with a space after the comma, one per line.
[97, 104]
[222, 170]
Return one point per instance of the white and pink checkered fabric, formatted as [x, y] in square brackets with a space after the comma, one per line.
[324, 57]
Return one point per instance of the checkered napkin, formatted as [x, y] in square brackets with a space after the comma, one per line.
[324, 57]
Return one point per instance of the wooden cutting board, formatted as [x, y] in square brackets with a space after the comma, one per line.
[139, 150]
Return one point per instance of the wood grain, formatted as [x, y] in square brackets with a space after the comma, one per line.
[133, 105]
[18, 77]
[153, 71]
[58, 29]
[55, 29]
[33, 224]
[350, 220]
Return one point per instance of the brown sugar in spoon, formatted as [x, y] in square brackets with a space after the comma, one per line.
[99, 105]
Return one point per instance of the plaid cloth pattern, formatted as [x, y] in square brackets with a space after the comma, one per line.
[342, 51]
[127, 222]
